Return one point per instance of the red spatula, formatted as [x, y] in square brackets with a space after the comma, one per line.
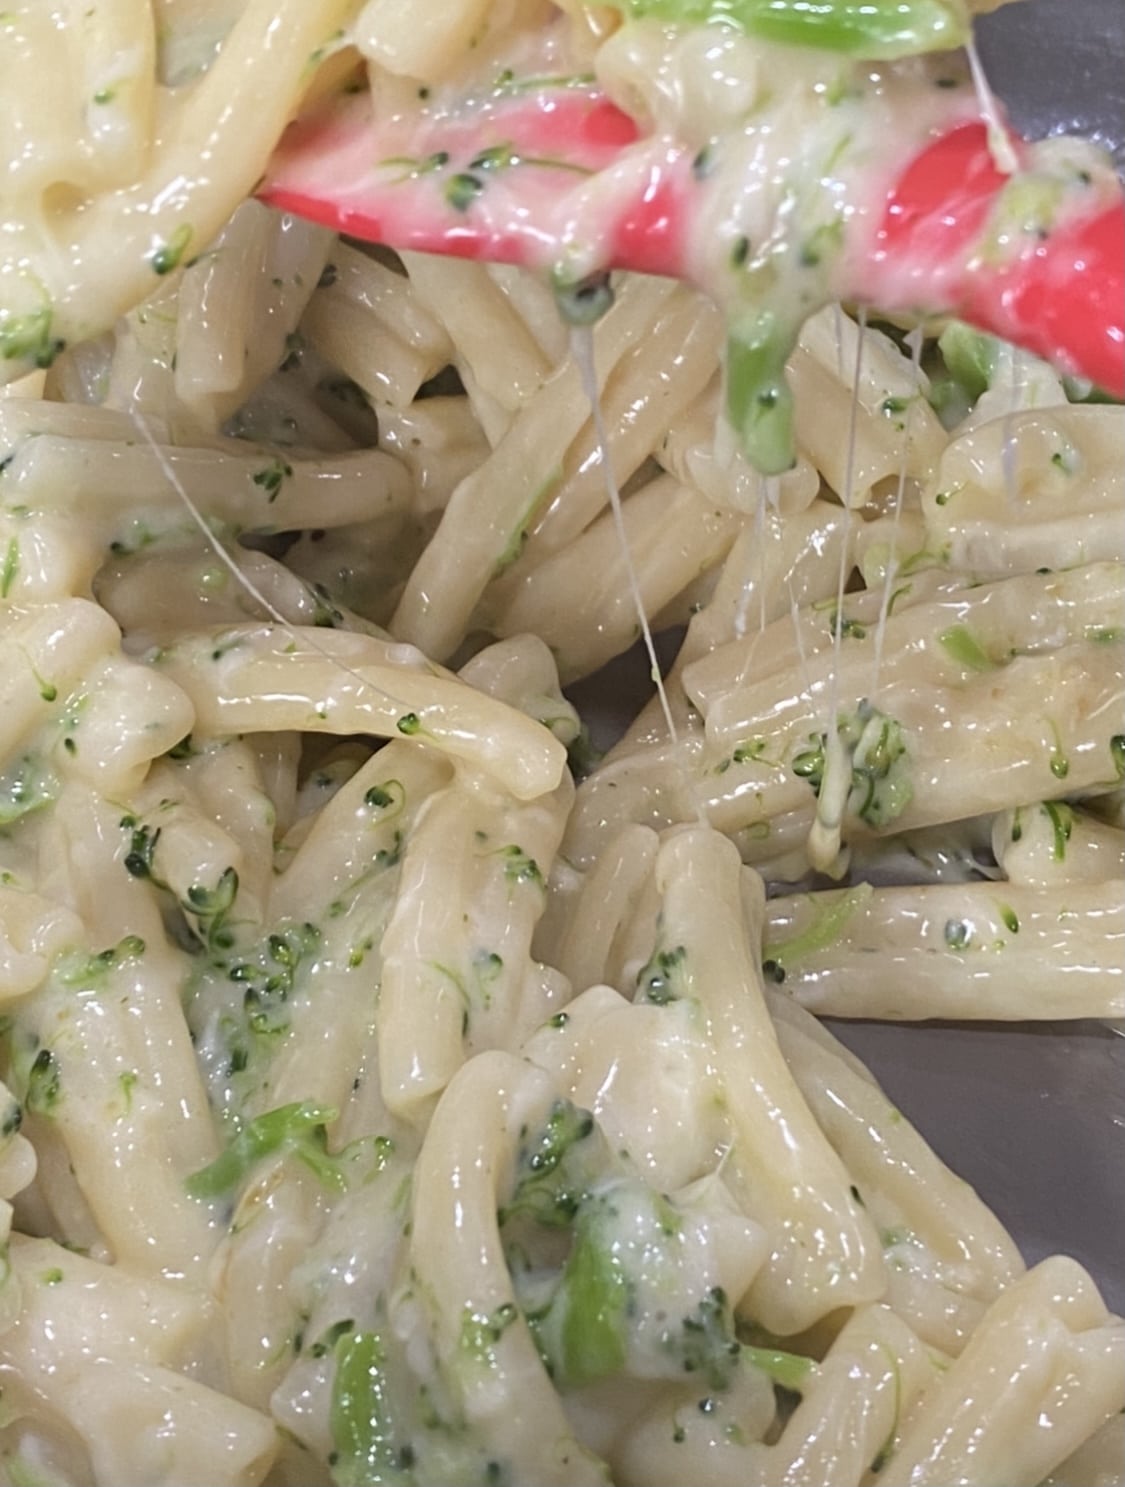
[507, 182]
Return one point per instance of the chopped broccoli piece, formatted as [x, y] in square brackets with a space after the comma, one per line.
[361, 1419]
[297, 1128]
[551, 1175]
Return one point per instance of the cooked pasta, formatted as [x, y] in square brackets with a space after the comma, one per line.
[392, 1091]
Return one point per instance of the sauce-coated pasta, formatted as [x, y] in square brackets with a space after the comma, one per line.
[394, 1092]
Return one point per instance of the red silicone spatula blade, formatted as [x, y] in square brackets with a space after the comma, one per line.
[486, 183]
[513, 178]
[1059, 293]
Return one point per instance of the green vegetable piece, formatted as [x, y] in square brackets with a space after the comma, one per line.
[487, 966]
[707, 1344]
[753, 749]
[1117, 754]
[520, 868]
[28, 337]
[414, 166]
[582, 756]
[583, 303]
[462, 189]
[507, 83]
[808, 763]
[270, 478]
[971, 356]
[517, 540]
[876, 29]
[1061, 817]
[582, 1333]
[1028, 206]
[90, 971]
[847, 628]
[43, 1084]
[360, 1417]
[142, 846]
[550, 1181]
[10, 567]
[480, 1333]
[23, 1470]
[661, 980]
[270, 974]
[789, 1370]
[759, 399]
[26, 786]
[298, 1128]
[833, 910]
[496, 157]
[211, 909]
[965, 648]
[598, 1299]
[382, 797]
[822, 244]
[881, 785]
[390, 856]
[1066, 459]
[170, 254]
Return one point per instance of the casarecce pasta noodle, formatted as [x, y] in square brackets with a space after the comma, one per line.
[392, 1091]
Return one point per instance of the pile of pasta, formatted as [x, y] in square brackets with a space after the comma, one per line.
[394, 1091]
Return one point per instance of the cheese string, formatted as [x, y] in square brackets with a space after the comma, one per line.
[245, 583]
